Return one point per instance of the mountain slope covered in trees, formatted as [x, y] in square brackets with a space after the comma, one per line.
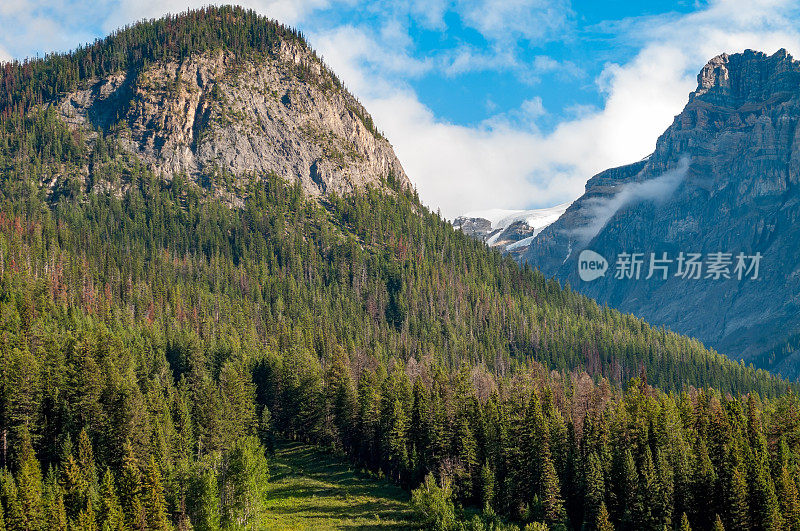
[156, 337]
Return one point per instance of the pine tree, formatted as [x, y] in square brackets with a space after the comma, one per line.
[55, 512]
[705, 479]
[663, 498]
[736, 494]
[466, 452]
[14, 519]
[487, 486]
[155, 506]
[595, 488]
[718, 524]
[790, 502]
[685, 523]
[630, 493]
[396, 439]
[76, 490]
[110, 516]
[29, 485]
[86, 520]
[86, 462]
[552, 502]
[603, 521]
[646, 516]
[764, 506]
[130, 490]
[342, 397]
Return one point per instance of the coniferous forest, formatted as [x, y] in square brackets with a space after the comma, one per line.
[155, 342]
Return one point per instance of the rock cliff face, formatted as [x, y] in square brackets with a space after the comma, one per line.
[724, 178]
[214, 116]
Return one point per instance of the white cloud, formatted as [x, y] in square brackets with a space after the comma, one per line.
[506, 161]
[469, 59]
[503, 163]
[506, 20]
[361, 59]
[601, 209]
[31, 26]
[4, 55]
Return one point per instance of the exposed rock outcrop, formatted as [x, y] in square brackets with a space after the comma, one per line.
[739, 193]
[214, 115]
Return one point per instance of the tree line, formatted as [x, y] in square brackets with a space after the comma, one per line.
[154, 341]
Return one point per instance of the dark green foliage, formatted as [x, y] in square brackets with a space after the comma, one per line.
[29, 485]
[110, 515]
[603, 521]
[162, 337]
[243, 483]
[433, 505]
[155, 506]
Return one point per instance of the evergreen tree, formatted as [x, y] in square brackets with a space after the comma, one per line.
[86, 462]
[14, 518]
[110, 516]
[77, 499]
[29, 485]
[705, 480]
[487, 486]
[595, 488]
[685, 523]
[433, 505]
[396, 438]
[55, 511]
[552, 501]
[738, 508]
[130, 490]
[603, 521]
[630, 495]
[789, 500]
[155, 506]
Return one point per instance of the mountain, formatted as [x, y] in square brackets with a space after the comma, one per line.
[723, 178]
[178, 296]
[217, 112]
[508, 230]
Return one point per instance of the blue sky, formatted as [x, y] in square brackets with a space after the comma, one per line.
[489, 104]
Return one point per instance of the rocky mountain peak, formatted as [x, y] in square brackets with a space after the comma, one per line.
[247, 97]
[724, 178]
[747, 77]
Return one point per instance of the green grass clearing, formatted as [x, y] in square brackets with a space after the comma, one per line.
[310, 489]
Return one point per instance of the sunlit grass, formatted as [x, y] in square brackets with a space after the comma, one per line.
[310, 489]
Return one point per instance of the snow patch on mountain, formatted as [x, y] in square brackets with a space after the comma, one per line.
[508, 229]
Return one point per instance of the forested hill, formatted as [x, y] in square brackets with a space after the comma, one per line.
[156, 329]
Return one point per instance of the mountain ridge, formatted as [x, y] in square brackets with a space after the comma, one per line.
[216, 116]
[156, 344]
[739, 194]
